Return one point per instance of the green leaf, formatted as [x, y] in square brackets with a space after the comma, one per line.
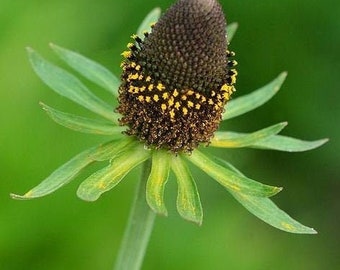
[107, 178]
[268, 211]
[90, 69]
[151, 18]
[188, 200]
[231, 30]
[67, 85]
[230, 179]
[246, 103]
[82, 124]
[288, 144]
[67, 172]
[235, 140]
[157, 181]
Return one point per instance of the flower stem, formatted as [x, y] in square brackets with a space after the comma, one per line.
[138, 229]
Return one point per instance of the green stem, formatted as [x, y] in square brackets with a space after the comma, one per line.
[139, 228]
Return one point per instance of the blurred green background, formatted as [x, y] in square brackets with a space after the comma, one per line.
[62, 232]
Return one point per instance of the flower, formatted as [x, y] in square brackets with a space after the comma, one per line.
[176, 82]
[177, 78]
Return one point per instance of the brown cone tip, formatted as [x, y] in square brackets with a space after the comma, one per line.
[177, 80]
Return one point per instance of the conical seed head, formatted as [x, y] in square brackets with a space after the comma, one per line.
[187, 47]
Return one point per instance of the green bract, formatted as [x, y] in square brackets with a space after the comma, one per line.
[122, 153]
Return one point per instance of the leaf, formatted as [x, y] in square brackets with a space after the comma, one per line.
[90, 69]
[107, 178]
[288, 144]
[67, 172]
[230, 179]
[157, 181]
[82, 124]
[231, 30]
[268, 211]
[67, 85]
[188, 200]
[246, 103]
[236, 140]
[151, 18]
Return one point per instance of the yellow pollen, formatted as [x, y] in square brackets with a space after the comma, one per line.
[155, 98]
[198, 96]
[126, 54]
[150, 87]
[141, 98]
[163, 107]
[177, 105]
[142, 89]
[165, 95]
[130, 45]
[225, 87]
[160, 87]
[185, 111]
[147, 99]
[147, 79]
[213, 93]
[133, 76]
[190, 93]
[140, 77]
[190, 104]
[171, 101]
[184, 97]
[233, 77]
[131, 89]
[136, 90]
[137, 67]
[203, 98]
[226, 96]
[210, 101]
[175, 93]
[172, 114]
[198, 106]
[133, 64]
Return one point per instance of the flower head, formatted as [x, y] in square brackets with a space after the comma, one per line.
[175, 84]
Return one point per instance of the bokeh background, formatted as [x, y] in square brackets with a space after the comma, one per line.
[62, 232]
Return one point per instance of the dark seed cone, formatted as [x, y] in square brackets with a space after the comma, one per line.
[176, 82]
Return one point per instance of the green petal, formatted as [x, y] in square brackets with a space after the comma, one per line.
[231, 30]
[151, 18]
[83, 124]
[188, 200]
[229, 179]
[67, 172]
[288, 144]
[267, 211]
[107, 178]
[157, 180]
[91, 70]
[244, 104]
[67, 85]
[235, 140]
